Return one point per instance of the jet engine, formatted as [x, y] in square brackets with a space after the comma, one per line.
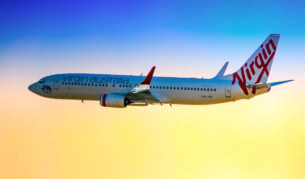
[113, 100]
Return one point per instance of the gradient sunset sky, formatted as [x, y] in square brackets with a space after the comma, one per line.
[45, 138]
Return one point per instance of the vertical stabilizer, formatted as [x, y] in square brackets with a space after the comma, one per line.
[257, 67]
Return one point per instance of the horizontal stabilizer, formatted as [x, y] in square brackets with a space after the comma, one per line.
[279, 82]
[222, 71]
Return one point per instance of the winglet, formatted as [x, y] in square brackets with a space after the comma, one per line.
[222, 70]
[149, 76]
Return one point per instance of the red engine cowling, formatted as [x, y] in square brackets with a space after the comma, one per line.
[113, 100]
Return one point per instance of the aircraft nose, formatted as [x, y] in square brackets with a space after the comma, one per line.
[32, 87]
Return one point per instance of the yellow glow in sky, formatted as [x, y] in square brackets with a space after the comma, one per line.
[259, 138]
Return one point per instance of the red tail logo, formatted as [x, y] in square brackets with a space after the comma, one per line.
[259, 64]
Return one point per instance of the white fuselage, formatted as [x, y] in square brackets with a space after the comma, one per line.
[122, 90]
[170, 90]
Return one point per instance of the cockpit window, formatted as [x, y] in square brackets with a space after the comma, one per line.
[41, 81]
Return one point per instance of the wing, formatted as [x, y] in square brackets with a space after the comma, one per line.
[142, 91]
[222, 71]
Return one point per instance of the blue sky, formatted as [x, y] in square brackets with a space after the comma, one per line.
[139, 34]
[60, 20]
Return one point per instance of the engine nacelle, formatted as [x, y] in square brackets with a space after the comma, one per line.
[113, 100]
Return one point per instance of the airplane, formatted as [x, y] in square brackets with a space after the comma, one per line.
[120, 91]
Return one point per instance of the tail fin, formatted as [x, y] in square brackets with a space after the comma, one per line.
[257, 67]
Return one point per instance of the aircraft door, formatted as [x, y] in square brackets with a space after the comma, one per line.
[228, 92]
